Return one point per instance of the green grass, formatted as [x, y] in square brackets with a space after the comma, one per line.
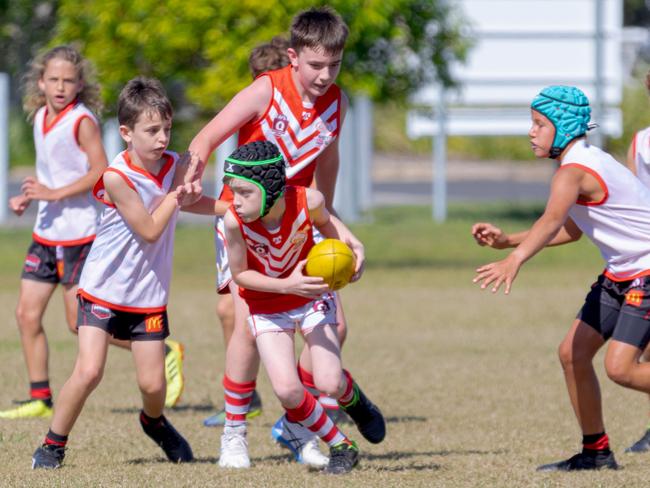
[469, 381]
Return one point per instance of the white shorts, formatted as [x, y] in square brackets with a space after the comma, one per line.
[223, 268]
[316, 313]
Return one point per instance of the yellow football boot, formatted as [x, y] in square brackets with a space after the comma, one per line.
[28, 409]
[174, 372]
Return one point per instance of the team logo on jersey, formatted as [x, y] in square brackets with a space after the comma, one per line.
[306, 115]
[153, 323]
[280, 124]
[32, 262]
[102, 313]
[323, 305]
[277, 240]
[261, 249]
[323, 140]
[634, 298]
[298, 239]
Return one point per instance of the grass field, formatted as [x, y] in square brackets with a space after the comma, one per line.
[469, 383]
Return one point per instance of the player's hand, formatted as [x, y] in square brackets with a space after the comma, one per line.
[305, 286]
[499, 273]
[19, 204]
[188, 169]
[188, 194]
[359, 255]
[34, 190]
[486, 234]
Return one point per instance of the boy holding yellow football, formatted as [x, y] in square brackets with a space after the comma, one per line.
[269, 233]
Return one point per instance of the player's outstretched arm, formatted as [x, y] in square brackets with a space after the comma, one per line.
[331, 226]
[565, 190]
[129, 204]
[295, 284]
[248, 104]
[90, 141]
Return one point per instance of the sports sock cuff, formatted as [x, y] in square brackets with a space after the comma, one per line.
[348, 394]
[303, 410]
[244, 388]
[55, 439]
[40, 390]
[306, 378]
[151, 421]
[595, 442]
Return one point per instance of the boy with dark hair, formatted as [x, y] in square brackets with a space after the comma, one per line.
[591, 193]
[300, 109]
[124, 287]
[269, 233]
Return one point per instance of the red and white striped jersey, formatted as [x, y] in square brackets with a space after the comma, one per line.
[619, 224]
[122, 270]
[60, 161]
[641, 150]
[276, 252]
[301, 131]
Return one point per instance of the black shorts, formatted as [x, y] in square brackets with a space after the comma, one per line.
[55, 264]
[619, 310]
[123, 325]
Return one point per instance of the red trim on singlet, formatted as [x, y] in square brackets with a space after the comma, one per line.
[75, 129]
[158, 178]
[58, 116]
[620, 278]
[600, 180]
[99, 186]
[74, 242]
[636, 134]
[120, 308]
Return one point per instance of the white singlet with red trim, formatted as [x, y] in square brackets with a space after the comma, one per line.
[641, 150]
[59, 162]
[123, 271]
[619, 224]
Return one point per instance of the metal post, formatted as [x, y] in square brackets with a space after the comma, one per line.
[345, 196]
[440, 160]
[4, 146]
[113, 143]
[226, 148]
[364, 133]
[599, 65]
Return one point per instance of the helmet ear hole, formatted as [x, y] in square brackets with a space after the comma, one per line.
[567, 107]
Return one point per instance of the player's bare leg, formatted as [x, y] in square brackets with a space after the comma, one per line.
[32, 300]
[149, 359]
[576, 353]
[643, 444]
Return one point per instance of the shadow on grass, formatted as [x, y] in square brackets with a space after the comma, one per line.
[206, 407]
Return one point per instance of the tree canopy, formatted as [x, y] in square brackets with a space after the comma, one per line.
[199, 49]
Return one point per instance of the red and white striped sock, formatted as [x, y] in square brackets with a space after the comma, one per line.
[348, 394]
[310, 414]
[238, 398]
[307, 379]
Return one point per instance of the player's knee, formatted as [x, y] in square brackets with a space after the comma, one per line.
[330, 383]
[618, 371]
[572, 356]
[27, 319]
[226, 311]
[289, 394]
[89, 375]
[151, 386]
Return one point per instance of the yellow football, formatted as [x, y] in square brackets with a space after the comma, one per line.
[333, 261]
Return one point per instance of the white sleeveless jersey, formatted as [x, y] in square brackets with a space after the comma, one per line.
[59, 162]
[123, 271]
[641, 150]
[620, 223]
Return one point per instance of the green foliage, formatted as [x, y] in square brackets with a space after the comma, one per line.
[203, 46]
[636, 114]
